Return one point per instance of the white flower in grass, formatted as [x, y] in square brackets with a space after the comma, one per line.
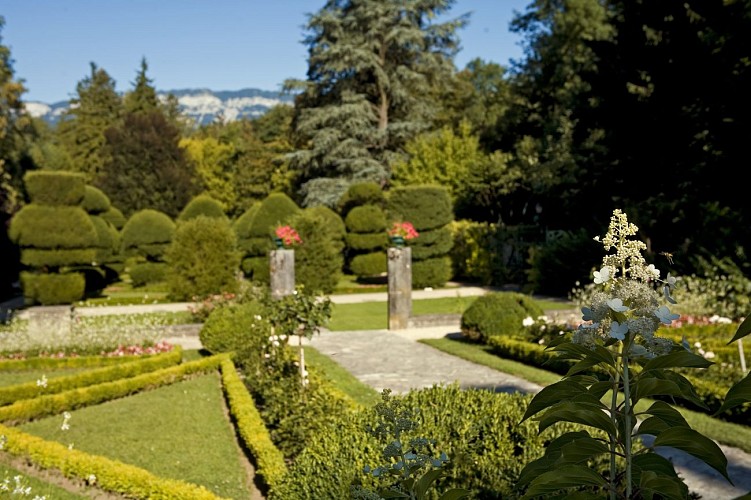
[602, 276]
[91, 479]
[617, 305]
[709, 355]
[665, 316]
[42, 382]
[66, 418]
[618, 331]
[528, 321]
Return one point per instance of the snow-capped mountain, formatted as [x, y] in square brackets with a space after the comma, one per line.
[201, 105]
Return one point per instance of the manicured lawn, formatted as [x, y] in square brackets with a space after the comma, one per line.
[179, 431]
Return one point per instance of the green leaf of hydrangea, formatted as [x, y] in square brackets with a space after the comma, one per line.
[697, 445]
[738, 394]
[569, 476]
[677, 359]
[579, 413]
[743, 330]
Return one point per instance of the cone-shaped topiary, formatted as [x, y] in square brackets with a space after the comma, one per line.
[202, 204]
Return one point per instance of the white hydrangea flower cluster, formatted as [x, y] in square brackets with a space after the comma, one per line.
[627, 307]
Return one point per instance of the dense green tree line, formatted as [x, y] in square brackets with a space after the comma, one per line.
[640, 106]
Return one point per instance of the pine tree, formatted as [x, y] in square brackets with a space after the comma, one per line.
[96, 107]
[142, 98]
[372, 66]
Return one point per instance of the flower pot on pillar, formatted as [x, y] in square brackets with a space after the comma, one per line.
[400, 287]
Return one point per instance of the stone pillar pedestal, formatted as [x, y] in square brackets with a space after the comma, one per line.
[54, 320]
[282, 272]
[400, 287]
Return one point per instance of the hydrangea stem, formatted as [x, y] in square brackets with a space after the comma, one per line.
[626, 413]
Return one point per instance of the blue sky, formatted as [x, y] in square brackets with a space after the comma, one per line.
[214, 44]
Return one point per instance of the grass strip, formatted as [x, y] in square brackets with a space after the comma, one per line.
[374, 315]
[360, 392]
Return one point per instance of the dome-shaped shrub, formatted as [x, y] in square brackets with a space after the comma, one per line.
[147, 234]
[361, 193]
[500, 313]
[202, 204]
[319, 261]
[426, 207]
[276, 209]
[95, 201]
[234, 327]
[115, 217]
[366, 219]
[203, 258]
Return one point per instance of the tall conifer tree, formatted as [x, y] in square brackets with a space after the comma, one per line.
[372, 66]
[96, 107]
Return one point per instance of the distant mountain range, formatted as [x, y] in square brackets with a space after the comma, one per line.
[202, 105]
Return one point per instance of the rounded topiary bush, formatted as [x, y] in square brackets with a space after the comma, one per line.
[425, 206]
[48, 227]
[52, 289]
[431, 273]
[429, 210]
[203, 259]
[54, 187]
[369, 264]
[202, 204]
[241, 226]
[147, 234]
[319, 260]
[366, 219]
[95, 201]
[361, 193]
[499, 313]
[275, 210]
[236, 327]
[115, 217]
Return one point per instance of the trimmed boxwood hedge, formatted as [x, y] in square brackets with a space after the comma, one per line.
[55, 187]
[51, 289]
[361, 193]
[48, 227]
[95, 201]
[479, 430]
